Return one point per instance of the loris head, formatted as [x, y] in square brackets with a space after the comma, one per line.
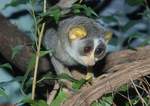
[83, 39]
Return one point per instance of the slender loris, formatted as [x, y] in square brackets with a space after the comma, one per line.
[78, 40]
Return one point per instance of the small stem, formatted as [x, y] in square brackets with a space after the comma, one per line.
[35, 21]
[38, 55]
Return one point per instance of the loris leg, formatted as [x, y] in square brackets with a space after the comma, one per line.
[60, 69]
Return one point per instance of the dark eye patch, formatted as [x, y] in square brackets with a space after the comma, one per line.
[100, 50]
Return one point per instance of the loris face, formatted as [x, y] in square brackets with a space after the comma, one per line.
[83, 39]
[87, 49]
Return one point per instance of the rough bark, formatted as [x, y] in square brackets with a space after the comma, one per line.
[124, 66]
[11, 37]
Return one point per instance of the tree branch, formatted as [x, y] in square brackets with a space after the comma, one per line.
[11, 37]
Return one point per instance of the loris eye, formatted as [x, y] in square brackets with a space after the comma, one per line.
[87, 49]
[100, 50]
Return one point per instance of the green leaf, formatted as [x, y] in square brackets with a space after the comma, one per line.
[39, 103]
[123, 88]
[56, 14]
[61, 97]
[76, 11]
[15, 3]
[16, 50]
[133, 36]
[93, 12]
[134, 101]
[107, 101]
[28, 100]
[89, 11]
[67, 77]
[78, 84]
[104, 101]
[42, 103]
[135, 2]
[146, 98]
[6, 65]
[43, 53]
[78, 8]
[47, 76]
[53, 12]
[2, 93]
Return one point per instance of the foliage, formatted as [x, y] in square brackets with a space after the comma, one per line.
[128, 32]
[6, 65]
[78, 9]
[106, 100]
[54, 12]
[60, 98]
[2, 93]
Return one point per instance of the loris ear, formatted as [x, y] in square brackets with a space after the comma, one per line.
[107, 36]
[50, 39]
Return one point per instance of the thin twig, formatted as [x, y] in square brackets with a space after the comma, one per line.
[38, 55]
[142, 100]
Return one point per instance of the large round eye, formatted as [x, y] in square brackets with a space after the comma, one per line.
[100, 50]
[87, 49]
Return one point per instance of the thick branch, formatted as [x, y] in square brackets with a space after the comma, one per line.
[11, 37]
[125, 66]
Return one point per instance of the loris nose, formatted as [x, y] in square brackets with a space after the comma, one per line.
[89, 60]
